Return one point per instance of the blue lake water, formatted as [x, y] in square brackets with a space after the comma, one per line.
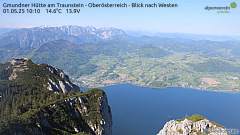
[144, 111]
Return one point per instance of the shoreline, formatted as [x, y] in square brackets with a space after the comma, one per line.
[225, 91]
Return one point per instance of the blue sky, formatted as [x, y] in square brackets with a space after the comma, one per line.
[189, 17]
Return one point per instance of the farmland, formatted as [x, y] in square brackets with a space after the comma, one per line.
[174, 70]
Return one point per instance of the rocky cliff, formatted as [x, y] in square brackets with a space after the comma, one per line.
[58, 83]
[91, 114]
[105, 111]
[63, 85]
[38, 99]
[189, 126]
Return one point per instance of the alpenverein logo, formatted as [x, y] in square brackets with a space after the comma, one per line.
[233, 5]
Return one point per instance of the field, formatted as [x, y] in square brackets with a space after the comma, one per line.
[174, 70]
[211, 81]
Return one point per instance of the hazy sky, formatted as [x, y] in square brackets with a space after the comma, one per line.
[188, 17]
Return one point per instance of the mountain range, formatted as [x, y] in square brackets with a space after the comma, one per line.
[34, 37]
[73, 49]
[41, 99]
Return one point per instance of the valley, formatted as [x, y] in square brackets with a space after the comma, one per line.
[108, 56]
[46, 99]
[168, 71]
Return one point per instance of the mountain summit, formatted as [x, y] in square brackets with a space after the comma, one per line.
[34, 37]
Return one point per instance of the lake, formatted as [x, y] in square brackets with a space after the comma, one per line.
[144, 111]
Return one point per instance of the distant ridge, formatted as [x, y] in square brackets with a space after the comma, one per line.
[34, 37]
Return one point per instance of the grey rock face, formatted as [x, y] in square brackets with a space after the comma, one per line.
[102, 33]
[188, 127]
[61, 85]
[58, 72]
[107, 116]
[105, 111]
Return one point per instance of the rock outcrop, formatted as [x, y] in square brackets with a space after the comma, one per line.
[63, 110]
[105, 111]
[79, 109]
[63, 85]
[54, 84]
[188, 127]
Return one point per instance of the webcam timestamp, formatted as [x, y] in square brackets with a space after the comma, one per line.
[21, 11]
